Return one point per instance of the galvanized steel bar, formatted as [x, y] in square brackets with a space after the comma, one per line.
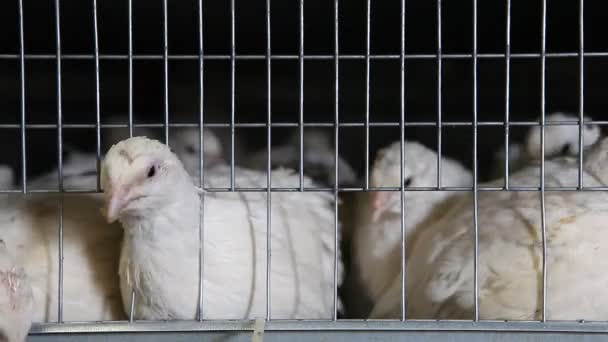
[97, 99]
[367, 91]
[130, 57]
[268, 166]
[439, 95]
[340, 189]
[336, 149]
[201, 166]
[301, 97]
[418, 56]
[542, 160]
[507, 91]
[232, 89]
[130, 120]
[475, 161]
[402, 162]
[308, 124]
[22, 101]
[352, 326]
[59, 160]
[166, 72]
[581, 90]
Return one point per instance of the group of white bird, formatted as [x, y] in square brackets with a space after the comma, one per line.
[159, 234]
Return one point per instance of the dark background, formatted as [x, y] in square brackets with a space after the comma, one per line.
[78, 86]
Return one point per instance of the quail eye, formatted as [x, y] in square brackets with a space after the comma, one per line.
[565, 149]
[407, 182]
[151, 171]
[589, 127]
[190, 149]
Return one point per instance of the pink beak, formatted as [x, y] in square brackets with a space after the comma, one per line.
[116, 201]
[380, 201]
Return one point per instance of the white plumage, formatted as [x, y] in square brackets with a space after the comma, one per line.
[377, 235]
[517, 160]
[29, 225]
[318, 158]
[185, 143]
[15, 299]
[80, 169]
[6, 177]
[148, 190]
[559, 140]
[440, 266]
[79, 173]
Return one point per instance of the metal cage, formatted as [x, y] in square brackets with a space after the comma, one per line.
[338, 329]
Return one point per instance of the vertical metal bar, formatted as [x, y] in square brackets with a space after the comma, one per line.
[22, 91]
[97, 98]
[367, 90]
[166, 71]
[301, 123]
[475, 200]
[131, 74]
[232, 92]
[201, 166]
[132, 307]
[542, 153]
[402, 161]
[439, 99]
[130, 5]
[336, 147]
[268, 164]
[507, 92]
[59, 160]
[581, 93]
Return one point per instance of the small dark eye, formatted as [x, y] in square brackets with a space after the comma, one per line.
[151, 171]
[589, 126]
[565, 149]
[190, 149]
[407, 182]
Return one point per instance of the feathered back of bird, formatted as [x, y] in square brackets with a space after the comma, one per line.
[15, 298]
[302, 239]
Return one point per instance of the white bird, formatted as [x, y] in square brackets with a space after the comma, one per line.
[560, 140]
[377, 234]
[6, 177]
[318, 158]
[29, 224]
[185, 143]
[15, 299]
[154, 198]
[440, 277]
[79, 172]
[517, 160]
[80, 169]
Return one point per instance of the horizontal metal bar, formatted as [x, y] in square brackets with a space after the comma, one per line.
[308, 124]
[343, 189]
[313, 325]
[306, 57]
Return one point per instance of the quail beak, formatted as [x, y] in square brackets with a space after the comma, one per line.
[380, 201]
[116, 201]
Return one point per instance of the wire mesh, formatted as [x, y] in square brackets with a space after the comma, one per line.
[337, 59]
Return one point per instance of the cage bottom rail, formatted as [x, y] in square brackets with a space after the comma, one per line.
[342, 330]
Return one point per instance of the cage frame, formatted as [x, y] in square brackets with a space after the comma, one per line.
[344, 328]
